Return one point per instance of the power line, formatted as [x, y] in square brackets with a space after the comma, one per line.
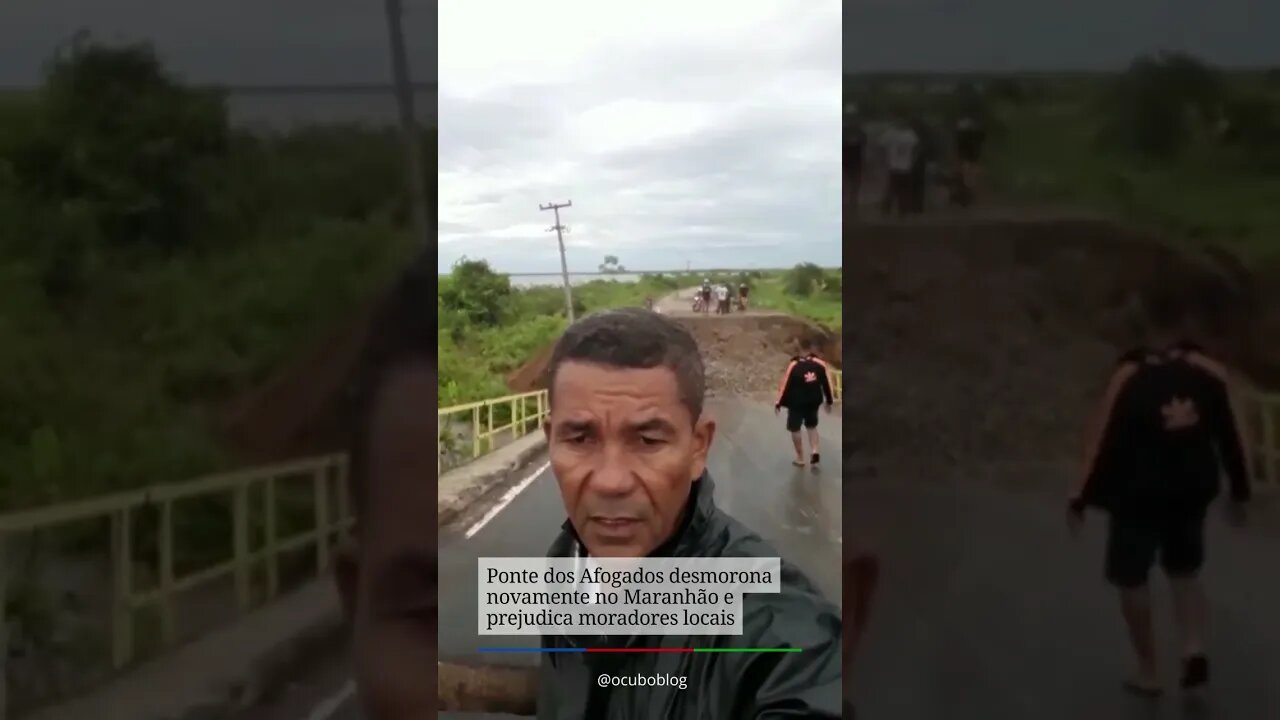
[564, 265]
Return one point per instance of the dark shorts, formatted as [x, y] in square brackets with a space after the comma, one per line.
[806, 416]
[1133, 546]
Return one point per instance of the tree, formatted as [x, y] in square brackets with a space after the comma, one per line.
[611, 265]
[1157, 106]
[804, 279]
[476, 292]
[123, 137]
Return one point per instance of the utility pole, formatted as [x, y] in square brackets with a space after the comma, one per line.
[408, 125]
[564, 266]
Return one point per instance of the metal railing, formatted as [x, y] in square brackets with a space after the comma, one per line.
[837, 383]
[485, 423]
[330, 521]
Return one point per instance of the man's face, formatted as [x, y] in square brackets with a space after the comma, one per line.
[388, 584]
[625, 451]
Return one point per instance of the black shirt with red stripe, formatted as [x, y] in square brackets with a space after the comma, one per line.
[805, 383]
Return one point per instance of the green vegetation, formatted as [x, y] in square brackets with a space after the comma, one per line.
[1170, 143]
[489, 328]
[806, 291]
[157, 261]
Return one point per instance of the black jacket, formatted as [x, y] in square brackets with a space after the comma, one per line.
[1145, 457]
[805, 383]
[720, 686]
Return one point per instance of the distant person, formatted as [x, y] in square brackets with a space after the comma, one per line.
[722, 299]
[901, 144]
[970, 137]
[804, 388]
[648, 302]
[1152, 460]
[855, 146]
[704, 294]
[628, 438]
[920, 169]
[744, 291]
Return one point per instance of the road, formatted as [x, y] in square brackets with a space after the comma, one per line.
[796, 509]
[988, 609]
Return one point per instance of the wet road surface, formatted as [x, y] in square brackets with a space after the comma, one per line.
[987, 608]
[795, 509]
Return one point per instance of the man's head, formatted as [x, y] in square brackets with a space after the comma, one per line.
[807, 346]
[387, 581]
[627, 435]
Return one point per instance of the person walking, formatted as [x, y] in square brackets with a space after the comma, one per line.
[1164, 426]
[805, 386]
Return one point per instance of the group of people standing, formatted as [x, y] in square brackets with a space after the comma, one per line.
[908, 154]
[720, 296]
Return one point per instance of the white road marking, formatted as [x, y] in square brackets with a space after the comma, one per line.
[505, 501]
[333, 703]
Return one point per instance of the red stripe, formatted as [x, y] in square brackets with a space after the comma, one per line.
[639, 650]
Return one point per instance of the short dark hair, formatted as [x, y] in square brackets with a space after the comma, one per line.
[807, 343]
[401, 332]
[634, 338]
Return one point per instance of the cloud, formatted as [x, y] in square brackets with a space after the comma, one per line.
[685, 133]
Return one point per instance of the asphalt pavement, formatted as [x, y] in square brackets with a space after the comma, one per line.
[798, 510]
[989, 609]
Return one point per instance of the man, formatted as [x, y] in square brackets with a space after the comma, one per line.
[1152, 461]
[387, 578]
[722, 299]
[705, 295]
[628, 440]
[805, 385]
[900, 143]
[855, 143]
[743, 292]
[920, 167]
[969, 139]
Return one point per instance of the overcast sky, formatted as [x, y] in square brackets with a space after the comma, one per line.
[242, 42]
[686, 133]
[1054, 34]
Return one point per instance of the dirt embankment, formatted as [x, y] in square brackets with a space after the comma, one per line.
[745, 354]
[980, 347]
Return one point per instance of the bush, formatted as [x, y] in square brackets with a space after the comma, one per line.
[1157, 107]
[476, 291]
[804, 279]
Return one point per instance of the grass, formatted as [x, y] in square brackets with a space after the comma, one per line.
[823, 307]
[1046, 153]
[1044, 149]
[124, 393]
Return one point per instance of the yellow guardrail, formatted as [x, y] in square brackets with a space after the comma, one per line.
[249, 564]
[1266, 442]
[485, 423]
[837, 385]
